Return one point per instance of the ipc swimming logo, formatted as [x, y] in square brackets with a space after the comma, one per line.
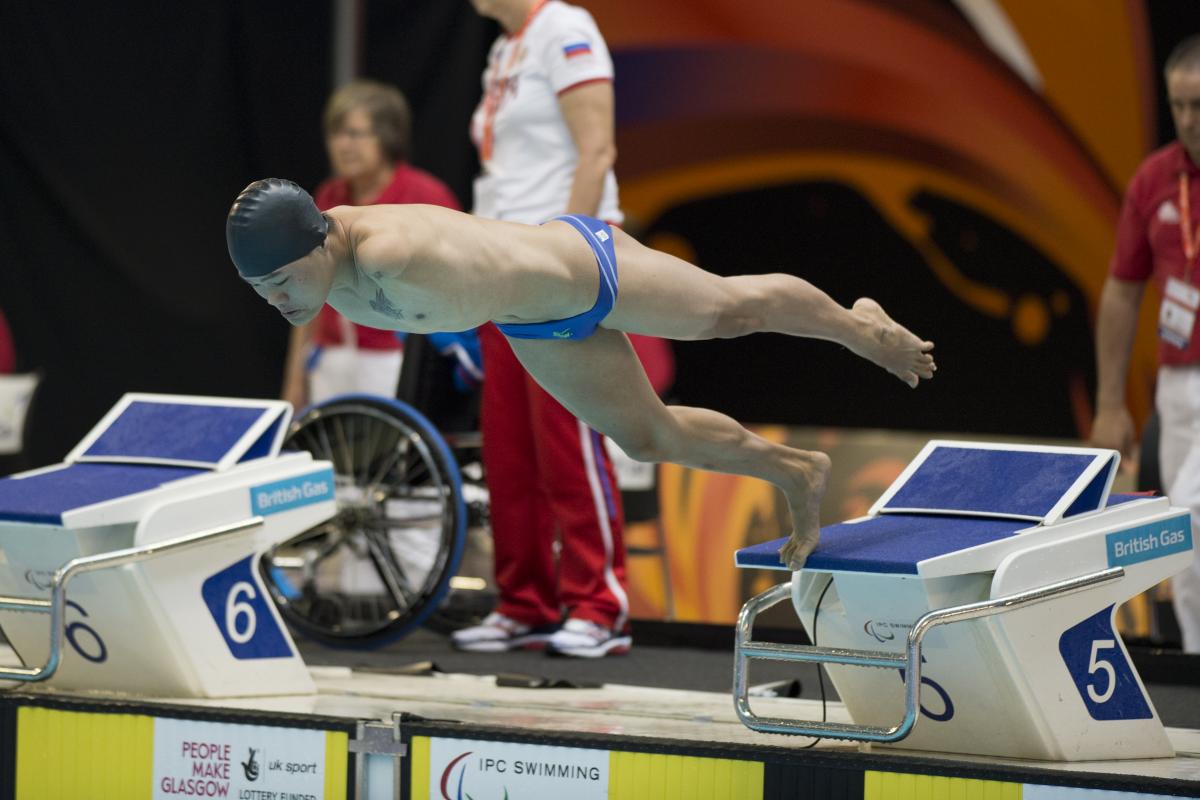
[449, 784]
[877, 633]
[884, 632]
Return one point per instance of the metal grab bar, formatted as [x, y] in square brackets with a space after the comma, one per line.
[746, 649]
[56, 605]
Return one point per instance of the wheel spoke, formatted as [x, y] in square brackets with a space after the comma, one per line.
[397, 454]
[368, 448]
[358, 444]
[310, 441]
[327, 448]
[340, 431]
[389, 570]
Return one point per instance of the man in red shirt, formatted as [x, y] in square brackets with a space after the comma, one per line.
[1157, 239]
[367, 134]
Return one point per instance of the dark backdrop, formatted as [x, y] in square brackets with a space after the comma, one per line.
[127, 129]
[125, 132]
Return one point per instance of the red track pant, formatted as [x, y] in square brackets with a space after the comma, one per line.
[548, 473]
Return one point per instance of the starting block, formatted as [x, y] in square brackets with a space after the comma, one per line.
[977, 599]
[142, 549]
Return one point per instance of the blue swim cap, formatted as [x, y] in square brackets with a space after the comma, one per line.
[273, 222]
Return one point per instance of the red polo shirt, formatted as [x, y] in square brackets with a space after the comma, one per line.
[409, 185]
[8, 354]
[1149, 239]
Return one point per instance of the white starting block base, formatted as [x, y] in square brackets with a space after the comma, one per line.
[983, 541]
[151, 530]
[649, 742]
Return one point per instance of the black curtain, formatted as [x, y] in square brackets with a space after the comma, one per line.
[435, 51]
[126, 130]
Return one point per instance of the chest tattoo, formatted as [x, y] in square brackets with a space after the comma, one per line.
[382, 305]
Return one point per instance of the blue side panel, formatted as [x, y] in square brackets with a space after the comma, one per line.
[892, 543]
[174, 431]
[44, 498]
[1093, 655]
[990, 481]
[262, 447]
[1089, 499]
[238, 604]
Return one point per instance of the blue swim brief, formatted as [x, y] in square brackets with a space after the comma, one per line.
[599, 237]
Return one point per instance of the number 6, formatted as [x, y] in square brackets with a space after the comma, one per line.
[234, 609]
[72, 634]
[1095, 665]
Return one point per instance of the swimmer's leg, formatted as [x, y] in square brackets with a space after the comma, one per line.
[601, 381]
[661, 295]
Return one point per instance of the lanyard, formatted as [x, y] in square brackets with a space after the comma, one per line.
[497, 86]
[1190, 235]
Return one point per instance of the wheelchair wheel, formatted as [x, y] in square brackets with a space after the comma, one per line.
[382, 565]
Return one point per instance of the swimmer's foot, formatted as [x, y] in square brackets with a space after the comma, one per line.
[811, 473]
[890, 345]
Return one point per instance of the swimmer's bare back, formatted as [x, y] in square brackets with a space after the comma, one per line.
[440, 269]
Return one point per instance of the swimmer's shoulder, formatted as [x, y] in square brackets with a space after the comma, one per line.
[391, 239]
[412, 220]
[382, 239]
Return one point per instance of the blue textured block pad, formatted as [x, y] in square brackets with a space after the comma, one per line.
[46, 497]
[893, 543]
[174, 432]
[984, 481]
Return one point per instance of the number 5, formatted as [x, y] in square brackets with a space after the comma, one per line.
[1095, 665]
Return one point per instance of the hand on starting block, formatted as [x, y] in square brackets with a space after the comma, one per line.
[797, 548]
[804, 501]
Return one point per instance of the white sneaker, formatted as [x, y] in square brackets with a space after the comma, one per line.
[585, 639]
[498, 633]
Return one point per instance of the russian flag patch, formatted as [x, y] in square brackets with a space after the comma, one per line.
[577, 49]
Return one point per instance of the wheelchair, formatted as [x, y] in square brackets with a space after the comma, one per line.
[382, 566]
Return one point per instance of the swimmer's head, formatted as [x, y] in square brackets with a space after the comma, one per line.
[276, 238]
[272, 223]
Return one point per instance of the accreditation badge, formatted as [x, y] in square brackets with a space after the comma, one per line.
[1177, 316]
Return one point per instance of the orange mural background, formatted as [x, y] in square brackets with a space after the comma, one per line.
[1036, 130]
[987, 104]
